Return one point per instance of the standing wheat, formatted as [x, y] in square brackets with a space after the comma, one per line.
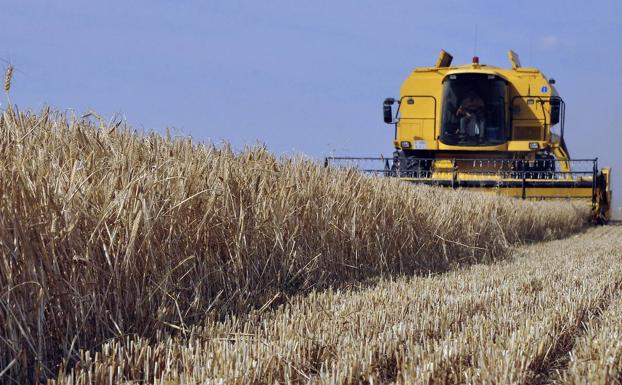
[8, 76]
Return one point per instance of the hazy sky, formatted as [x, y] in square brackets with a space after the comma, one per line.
[303, 76]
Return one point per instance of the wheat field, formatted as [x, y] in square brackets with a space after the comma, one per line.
[549, 314]
[130, 256]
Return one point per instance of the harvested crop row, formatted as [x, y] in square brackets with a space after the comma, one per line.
[512, 322]
[597, 354]
[105, 232]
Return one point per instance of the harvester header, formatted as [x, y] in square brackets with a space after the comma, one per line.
[477, 126]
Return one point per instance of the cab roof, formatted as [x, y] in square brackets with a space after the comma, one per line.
[443, 64]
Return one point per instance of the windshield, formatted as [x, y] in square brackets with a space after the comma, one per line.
[473, 110]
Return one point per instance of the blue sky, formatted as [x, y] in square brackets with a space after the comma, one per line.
[302, 76]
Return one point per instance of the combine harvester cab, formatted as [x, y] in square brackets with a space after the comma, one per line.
[488, 129]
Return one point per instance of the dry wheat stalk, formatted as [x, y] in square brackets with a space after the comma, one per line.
[8, 76]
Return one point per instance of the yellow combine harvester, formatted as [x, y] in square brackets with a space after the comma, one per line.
[486, 128]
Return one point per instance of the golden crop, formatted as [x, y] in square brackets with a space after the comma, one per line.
[106, 233]
[551, 314]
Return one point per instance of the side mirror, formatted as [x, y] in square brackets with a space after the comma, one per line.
[387, 110]
[555, 110]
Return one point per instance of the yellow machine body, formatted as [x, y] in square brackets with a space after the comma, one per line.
[528, 136]
[419, 122]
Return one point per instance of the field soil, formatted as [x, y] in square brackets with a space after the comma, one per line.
[551, 313]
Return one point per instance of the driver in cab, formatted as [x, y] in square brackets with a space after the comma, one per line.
[471, 114]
